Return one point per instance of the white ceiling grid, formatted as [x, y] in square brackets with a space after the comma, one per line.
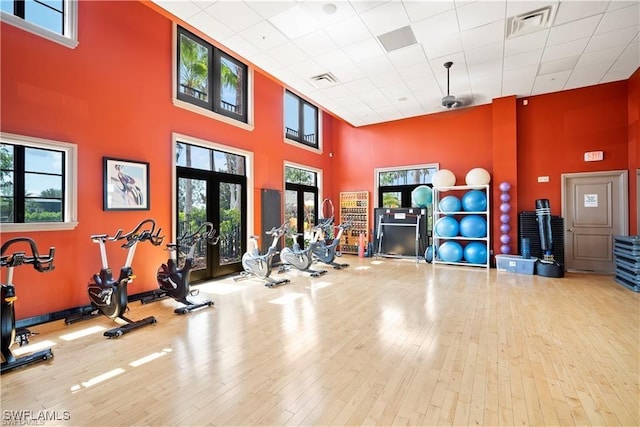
[588, 43]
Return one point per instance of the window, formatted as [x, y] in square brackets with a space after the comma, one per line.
[194, 157]
[55, 20]
[395, 185]
[37, 184]
[300, 120]
[209, 78]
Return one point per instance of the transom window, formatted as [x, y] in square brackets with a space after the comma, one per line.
[52, 19]
[395, 185]
[195, 157]
[210, 78]
[300, 120]
[37, 182]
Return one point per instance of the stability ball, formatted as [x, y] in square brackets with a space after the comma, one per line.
[475, 253]
[474, 201]
[450, 251]
[450, 204]
[473, 226]
[443, 178]
[447, 226]
[477, 176]
[422, 196]
[428, 254]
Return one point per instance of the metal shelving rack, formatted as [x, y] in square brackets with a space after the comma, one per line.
[459, 191]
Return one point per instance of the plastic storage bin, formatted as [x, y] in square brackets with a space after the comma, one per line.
[515, 264]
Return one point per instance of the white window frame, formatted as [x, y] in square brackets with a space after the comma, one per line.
[293, 142]
[249, 126]
[70, 220]
[70, 39]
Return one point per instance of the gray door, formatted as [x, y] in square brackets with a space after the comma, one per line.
[595, 208]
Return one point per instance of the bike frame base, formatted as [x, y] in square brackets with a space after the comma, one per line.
[26, 360]
[130, 326]
[193, 306]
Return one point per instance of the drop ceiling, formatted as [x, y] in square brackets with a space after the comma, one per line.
[498, 48]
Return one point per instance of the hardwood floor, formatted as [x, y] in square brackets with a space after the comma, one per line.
[383, 342]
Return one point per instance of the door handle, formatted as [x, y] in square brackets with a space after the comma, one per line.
[570, 230]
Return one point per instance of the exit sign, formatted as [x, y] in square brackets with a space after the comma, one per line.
[593, 156]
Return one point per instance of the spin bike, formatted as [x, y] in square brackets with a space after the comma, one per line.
[324, 248]
[109, 296]
[258, 265]
[300, 258]
[174, 281]
[11, 334]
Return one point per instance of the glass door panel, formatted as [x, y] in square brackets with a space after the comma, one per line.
[291, 215]
[192, 212]
[310, 209]
[230, 213]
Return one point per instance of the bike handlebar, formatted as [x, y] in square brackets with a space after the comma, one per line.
[41, 263]
[134, 236]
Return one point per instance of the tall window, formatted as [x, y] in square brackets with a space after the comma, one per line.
[36, 181]
[395, 185]
[300, 120]
[52, 19]
[210, 78]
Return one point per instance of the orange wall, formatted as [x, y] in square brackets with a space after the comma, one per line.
[112, 97]
[634, 149]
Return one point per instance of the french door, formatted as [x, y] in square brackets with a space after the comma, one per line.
[219, 198]
[301, 210]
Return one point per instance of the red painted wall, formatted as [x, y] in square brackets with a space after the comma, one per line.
[112, 97]
[633, 87]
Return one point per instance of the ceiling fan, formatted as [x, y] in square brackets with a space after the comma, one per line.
[450, 101]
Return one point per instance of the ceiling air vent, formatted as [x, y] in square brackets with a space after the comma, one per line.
[324, 80]
[530, 22]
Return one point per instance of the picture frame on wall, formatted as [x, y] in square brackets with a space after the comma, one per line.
[126, 185]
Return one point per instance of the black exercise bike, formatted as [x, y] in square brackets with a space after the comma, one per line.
[10, 334]
[174, 281]
[325, 248]
[109, 295]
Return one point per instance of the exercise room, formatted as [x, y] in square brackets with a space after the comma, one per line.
[320, 212]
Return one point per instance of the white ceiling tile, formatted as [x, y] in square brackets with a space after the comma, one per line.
[306, 69]
[236, 15]
[573, 30]
[526, 43]
[360, 85]
[523, 59]
[431, 28]
[489, 68]
[288, 54]
[607, 56]
[348, 31]
[263, 35]
[332, 59]
[550, 83]
[336, 91]
[612, 38]
[267, 63]
[182, 9]
[421, 87]
[444, 45]
[211, 26]
[380, 64]
[268, 9]
[419, 10]
[586, 76]
[519, 81]
[494, 51]
[295, 22]
[361, 6]
[407, 57]
[415, 71]
[363, 50]
[241, 46]
[515, 8]
[347, 72]
[486, 34]
[388, 17]
[386, 79]
[574, 10]
[629, 60]
[480, 13]
[318, 9]
[620, 18]
[559, 51]
[316, 43]
[557, 66]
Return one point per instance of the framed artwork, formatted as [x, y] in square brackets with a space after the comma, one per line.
[126, 185]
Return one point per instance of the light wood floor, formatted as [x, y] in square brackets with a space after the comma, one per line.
[381, 343]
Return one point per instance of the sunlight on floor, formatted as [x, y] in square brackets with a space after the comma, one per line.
[220, 288]
[149, 358]
[319, 285]
[82, 333]
[32, 348]
[286, 299]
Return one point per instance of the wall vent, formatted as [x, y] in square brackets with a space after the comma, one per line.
[530, 22]
[324, 80]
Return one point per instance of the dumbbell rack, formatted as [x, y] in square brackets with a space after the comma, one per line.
[626, 250]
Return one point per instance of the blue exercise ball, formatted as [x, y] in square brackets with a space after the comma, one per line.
[474, 201]
[475, 253]
[450, 204]
[450, 251]
[422, 196]
[473, 226]
[428, 254]
[447, 226]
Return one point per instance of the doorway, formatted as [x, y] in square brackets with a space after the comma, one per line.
[211, 187]
[595, 208]
[301, 203]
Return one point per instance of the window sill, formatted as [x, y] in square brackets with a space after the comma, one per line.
[38, 226]
[198, 110]
[71, 43]
[301, 145]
